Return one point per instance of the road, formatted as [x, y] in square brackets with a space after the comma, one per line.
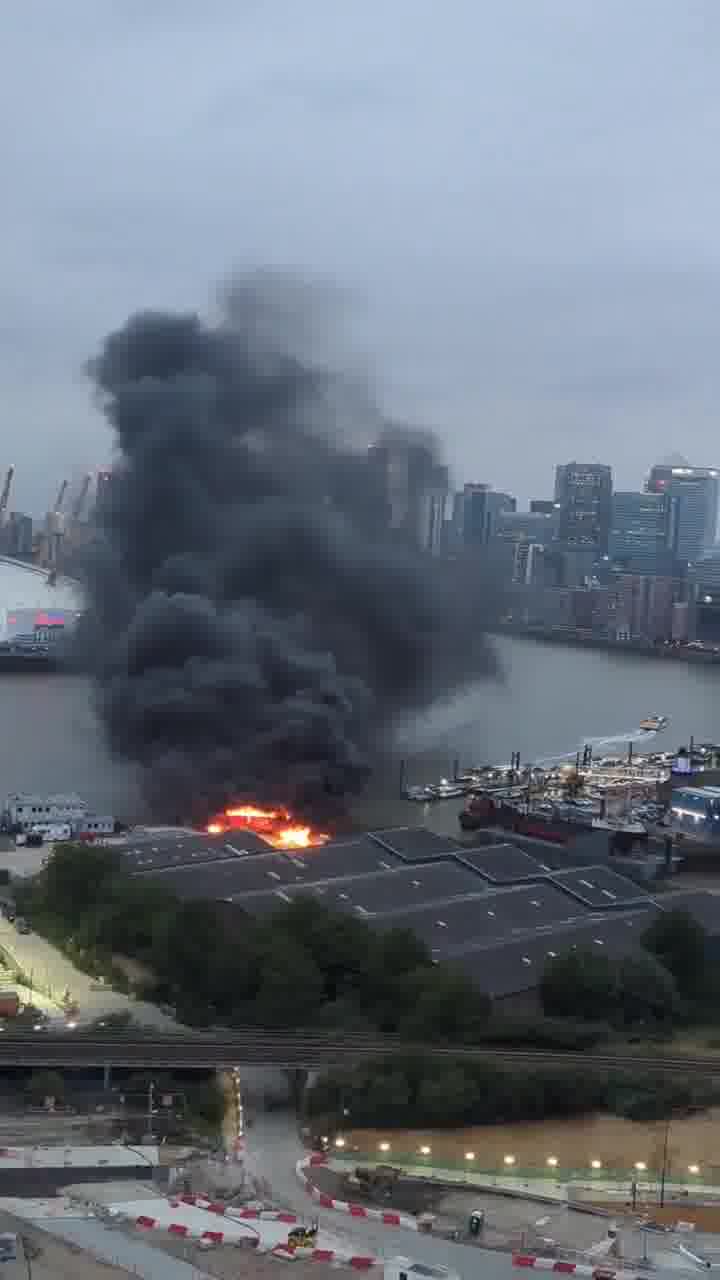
[292, 1050]
[273, 1149]
[52, 973]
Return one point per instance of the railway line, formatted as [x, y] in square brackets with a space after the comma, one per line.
[303, 1051]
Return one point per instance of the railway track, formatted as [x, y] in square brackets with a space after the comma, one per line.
[303, 1050]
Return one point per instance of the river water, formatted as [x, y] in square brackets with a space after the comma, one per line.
[551, 700]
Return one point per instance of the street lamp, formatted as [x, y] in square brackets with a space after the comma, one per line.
[508, 1160]
[384, 1146]
[425, 1151]
[469, 1155]
[552, 1161]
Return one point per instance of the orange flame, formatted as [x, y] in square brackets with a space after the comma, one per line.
[274, 825]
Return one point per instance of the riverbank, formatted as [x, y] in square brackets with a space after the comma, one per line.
[623, 648]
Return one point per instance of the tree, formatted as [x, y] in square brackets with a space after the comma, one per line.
[648, 992]
[442, 1003]
[680, 944]
[45, 1084]
[446, 1098]
[341, 947]
[578, 982]
[75, 879]
[291, 986]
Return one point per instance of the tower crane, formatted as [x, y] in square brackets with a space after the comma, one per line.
[5, 495]
[60, 498]
[82, 495]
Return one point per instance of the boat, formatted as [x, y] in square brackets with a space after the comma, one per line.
[448, 790]
[653, 724]
[421, 795]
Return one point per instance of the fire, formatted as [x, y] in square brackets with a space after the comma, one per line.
[274, 825]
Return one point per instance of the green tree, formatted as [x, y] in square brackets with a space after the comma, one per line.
[75, 880]
[447, 1097]
[45, 1084]
[578, 982]
[442, 1003]
[291, 986]
[341, 947]
[648, 993]
[680, 944]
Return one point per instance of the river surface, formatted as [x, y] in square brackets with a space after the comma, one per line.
[551, 700]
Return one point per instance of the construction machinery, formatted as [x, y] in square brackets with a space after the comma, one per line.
[303, 1237]
[377, 1183]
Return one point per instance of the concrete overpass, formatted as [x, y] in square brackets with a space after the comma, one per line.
[300, 1050]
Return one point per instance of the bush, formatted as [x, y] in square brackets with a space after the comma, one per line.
[679, 942]
[419, 1092]
[578, 980]
[45, 1084]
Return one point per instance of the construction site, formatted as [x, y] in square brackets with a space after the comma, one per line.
[52, 543]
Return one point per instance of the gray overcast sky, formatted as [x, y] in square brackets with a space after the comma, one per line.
[521, 198]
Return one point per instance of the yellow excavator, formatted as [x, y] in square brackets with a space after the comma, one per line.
[303, 1237]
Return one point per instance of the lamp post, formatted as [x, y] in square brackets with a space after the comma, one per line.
[663, 1175]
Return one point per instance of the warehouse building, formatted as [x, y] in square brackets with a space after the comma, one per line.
[497, 911]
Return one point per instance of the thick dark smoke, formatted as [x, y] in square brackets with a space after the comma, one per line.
[255, 630]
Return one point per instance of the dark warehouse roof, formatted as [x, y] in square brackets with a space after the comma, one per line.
[508, 967]
[377, 893]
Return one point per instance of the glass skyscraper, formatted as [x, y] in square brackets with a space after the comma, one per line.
[643, 532]
[696, 490]
[584, 492]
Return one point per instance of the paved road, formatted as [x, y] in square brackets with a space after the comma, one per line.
[273, 1148]
[52, 972]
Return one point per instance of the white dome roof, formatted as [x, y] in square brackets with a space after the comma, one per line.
[24, 586]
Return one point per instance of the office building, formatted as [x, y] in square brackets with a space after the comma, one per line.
[696, 491]
[704, 587]
[16, 536]
[645, 607]
[643, 532]
[527, 526]
[414, 487]
[584, 492]
[480, 508]
[544, 506]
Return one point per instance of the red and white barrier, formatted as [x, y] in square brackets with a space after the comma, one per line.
[360, 1261]
[181, 1229]
[529, 1260]
[212, 1206]
[388, 1217]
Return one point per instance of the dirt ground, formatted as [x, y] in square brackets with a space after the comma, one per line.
[618, 1144]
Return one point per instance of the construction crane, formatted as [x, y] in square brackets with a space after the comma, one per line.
[82, 495]
[5, 495]
[60, 498]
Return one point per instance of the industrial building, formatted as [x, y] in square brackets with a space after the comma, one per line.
[32, 598]
[496, 910]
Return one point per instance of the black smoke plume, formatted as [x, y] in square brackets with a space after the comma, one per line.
[256, 628]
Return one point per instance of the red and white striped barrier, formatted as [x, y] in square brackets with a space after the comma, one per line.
[529, 1260]
[388, 1217]
[212, 1206]
[181, 1229]
[360, 1261]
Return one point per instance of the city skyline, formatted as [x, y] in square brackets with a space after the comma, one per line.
[514, 242]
